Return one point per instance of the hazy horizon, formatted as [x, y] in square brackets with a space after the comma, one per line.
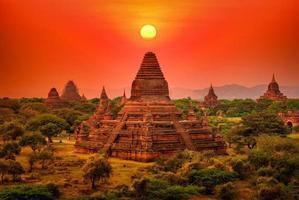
[97, 43]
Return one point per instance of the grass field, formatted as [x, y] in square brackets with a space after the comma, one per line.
[66, 170]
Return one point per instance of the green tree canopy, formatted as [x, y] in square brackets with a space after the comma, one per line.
[96, 170]
[11, 130]
[34, 141]
[49, 125]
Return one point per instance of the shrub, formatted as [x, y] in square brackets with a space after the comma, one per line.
[258, 158]
[172, 178]
[270, 193]
[9, 150]
[11, 131]
[226, 191]
[158, 189]
[209, 178]
[265, 171]
[26, 193]
[173, 163]
[53, 189]
[241, 167]
[105, 196]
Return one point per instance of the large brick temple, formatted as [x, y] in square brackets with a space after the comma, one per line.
[148, 125]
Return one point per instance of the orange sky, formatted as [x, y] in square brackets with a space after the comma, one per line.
[96, 42]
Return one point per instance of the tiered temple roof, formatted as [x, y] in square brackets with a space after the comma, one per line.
[273, 92]
[70, 92]
[148, 125]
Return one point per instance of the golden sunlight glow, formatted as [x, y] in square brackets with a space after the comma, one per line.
[148, 32]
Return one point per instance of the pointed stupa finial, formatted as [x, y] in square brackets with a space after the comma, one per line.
[273, 78]
[123, 98]
[211, 91]
[104, 94]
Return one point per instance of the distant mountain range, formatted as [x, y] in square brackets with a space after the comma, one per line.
[233, 91]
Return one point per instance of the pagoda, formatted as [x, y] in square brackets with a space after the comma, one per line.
[148, 125]
[53, 100]
[70, 92]
[123, 99]
[210, 100]
[273, 92]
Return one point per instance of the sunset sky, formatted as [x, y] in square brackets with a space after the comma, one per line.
[44, 43]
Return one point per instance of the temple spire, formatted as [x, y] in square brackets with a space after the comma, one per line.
[273, 78]
[211, 90]
[104, 94]
[123, 98]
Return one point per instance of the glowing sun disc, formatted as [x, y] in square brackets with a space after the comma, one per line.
[148, 31]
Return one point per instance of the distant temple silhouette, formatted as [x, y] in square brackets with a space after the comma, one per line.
[210, 100]
[53, 100]
[70, 92]
[148, 125]
[273, 92]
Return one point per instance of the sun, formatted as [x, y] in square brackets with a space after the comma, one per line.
[148, 31]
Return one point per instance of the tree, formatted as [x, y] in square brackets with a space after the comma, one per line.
[97, 169]
[34, 141]
[9, 150]
[15, 169]
[32, 158]
[44, 156]
[11, 130]
[210, 177]
[72, 117]
[49, 125]
[3, 169]
[263, 122]
[50, 130]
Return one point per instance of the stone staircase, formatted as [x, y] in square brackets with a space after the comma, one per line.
[114, 133]
[186, 137]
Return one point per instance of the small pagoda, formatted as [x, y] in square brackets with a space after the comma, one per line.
[273, 92]
[148, 125]
[53, 100]
[70, 92]
[210, 100]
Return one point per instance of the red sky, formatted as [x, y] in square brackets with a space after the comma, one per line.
[96, 42]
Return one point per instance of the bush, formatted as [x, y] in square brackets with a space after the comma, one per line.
[172, 178]
[209, 178]
[105, 196]
[258, 158]
[11, 131]
[9, 150]
[173, 163]
[269, 193]
[158, 189]
[53, 189]
[226, 191]
[241, 167]
[265, 171]
[26, 193]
